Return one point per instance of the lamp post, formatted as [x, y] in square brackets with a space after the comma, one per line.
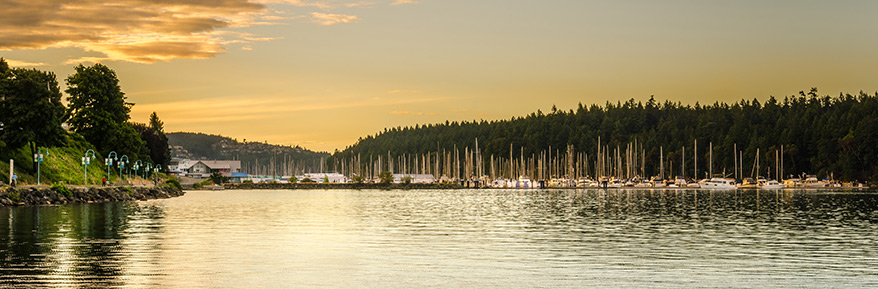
[122, 161]
[146, 172]
[158, 168]
[136, 167]
[86, 160]
[39, 157]
[109, 162]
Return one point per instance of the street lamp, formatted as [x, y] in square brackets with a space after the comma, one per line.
[137, 165]
[39, 157]
[158, 168]
[109, 162]
[122, 161]
[86, 160]
[146, 172]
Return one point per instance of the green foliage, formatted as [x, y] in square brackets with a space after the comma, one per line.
[197, 186]
[307, 180]
[325, 179]
[386, 177]
[62, 189]
[129, 191]
[293, 179]
[407, 180]
[13, 195]
[820, 134]
[99, 113]
[174, 183]
[30, 109]
[247, 182]
[218, 178]
[357, 179]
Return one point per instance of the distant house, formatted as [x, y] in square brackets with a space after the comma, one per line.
[204, 168]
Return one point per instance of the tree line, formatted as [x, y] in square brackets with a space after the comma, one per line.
[32, 114]
[824, 135]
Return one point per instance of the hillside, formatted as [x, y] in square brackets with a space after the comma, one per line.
[829, 136]
[62, 164]
[255, 157]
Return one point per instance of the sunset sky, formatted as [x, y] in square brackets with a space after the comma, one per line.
[321, 74]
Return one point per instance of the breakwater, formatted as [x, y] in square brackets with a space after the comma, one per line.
[34, 196]
[332, 186]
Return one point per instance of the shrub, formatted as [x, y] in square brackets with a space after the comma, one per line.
[218, 178]
[357, 179]
[307, 180]
[13, 195]
[407, 180]
[62, 189]
[325, 179]
[196, 186]
[293, 179]
[247, 182]
[130, 191]
[174, 183]
[386, 177]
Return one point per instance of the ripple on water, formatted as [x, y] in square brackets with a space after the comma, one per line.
[464, 238]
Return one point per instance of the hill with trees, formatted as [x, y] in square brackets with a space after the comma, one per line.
[257, 158]
[829, 136]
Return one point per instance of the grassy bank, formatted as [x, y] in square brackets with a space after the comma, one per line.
[63, 164]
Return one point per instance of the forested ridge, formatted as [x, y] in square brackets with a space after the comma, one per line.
[824, 135]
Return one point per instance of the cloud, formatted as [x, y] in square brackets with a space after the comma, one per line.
[16, 63]
[404, 2]
[148, 31]
[332, 19]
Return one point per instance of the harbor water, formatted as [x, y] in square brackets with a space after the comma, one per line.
[449, 239]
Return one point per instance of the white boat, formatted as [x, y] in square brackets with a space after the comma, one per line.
[813, 182]
[769, 184]
[719, 184]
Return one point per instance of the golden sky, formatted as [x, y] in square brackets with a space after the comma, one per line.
[321, 74]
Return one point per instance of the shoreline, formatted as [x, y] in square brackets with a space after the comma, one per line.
[42, 196]
[336, 186]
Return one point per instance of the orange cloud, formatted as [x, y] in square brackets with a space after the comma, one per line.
[332, 19]
[16, 63]
[404, 2]
[147, 31]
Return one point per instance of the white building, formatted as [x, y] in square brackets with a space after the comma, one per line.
[204, 168]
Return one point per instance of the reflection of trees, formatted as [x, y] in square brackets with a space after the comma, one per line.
[67, 244]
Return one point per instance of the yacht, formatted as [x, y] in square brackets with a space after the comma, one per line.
[719, 184]
[769, 184]
[813, 182]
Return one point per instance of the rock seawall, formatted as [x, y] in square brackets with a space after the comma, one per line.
[34, 196]
[316, 186]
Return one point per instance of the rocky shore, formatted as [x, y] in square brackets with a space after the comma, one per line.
[34, 196]
[317, 186]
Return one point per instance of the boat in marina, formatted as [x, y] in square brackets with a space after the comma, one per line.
[812, 182]
[768, 184]
[719, 184]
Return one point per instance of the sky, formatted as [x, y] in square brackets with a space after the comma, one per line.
[321, 74]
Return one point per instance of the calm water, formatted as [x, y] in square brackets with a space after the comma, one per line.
[440, 239]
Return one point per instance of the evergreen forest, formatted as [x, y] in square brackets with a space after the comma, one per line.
[832, 137]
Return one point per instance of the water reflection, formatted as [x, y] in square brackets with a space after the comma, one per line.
[68, 245]
[465, 238]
